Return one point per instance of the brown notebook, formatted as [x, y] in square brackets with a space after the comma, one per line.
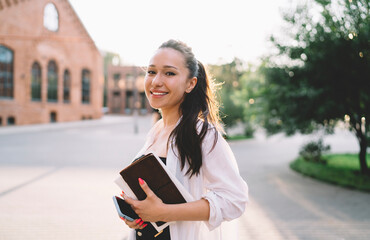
[150, 169]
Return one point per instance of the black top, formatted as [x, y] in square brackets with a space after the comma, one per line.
[163, 160]
[149, 231]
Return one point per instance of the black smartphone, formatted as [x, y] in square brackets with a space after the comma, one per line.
[124, 209]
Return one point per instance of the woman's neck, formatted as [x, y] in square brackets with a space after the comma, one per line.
[170, 118]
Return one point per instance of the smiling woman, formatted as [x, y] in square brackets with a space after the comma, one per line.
[189, 142]
[167, 80]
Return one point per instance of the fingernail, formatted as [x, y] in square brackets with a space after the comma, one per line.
[145, 225]
[138, 220]
[123, 192]
[141, 223]
[141, 181]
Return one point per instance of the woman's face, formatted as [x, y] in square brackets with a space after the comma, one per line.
[167, 80]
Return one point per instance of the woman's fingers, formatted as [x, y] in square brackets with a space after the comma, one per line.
[141, 223]
[127, 199]
[149, 193]
[150, 209]
[136, 224]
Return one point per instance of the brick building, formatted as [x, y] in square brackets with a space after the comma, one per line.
[50, 68]
[125, 90]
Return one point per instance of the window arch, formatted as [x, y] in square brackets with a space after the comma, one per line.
[52, 81]
[6, 72]
[36, 82]
[51, 17]
[86, 76]
[67, 86]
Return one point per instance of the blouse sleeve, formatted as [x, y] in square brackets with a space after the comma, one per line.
[227, 192]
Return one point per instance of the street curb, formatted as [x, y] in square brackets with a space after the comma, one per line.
[105, 120]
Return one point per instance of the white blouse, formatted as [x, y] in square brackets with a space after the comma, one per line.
[218, 181]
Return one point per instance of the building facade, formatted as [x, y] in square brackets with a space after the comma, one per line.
[50, 68]
[125, 90]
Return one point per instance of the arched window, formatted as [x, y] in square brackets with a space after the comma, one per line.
[86, 76]
[66, 86]
[6, 72]
[52, 82]
[36, 82]
[51, 17]
[129, 101]
[143, 103]
[53, 117]
[11, 120]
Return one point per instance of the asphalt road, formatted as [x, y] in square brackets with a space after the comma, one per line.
[55, 179]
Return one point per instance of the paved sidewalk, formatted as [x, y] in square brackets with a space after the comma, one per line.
[55, 179]
[287, 205]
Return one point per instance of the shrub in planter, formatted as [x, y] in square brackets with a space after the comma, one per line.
[313, 151]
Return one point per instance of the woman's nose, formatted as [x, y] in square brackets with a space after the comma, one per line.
[157, 80]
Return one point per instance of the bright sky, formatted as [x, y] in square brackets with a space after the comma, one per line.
[217, 30]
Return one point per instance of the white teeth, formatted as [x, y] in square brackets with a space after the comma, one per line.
[158, 94]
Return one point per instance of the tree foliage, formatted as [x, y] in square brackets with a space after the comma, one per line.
[249, 96]
[241, 88]
[325, 71]
[228, 76]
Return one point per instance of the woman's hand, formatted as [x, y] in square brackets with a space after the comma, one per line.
[151, 209]
[136, 224]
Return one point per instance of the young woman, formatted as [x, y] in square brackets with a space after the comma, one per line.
[188, 140]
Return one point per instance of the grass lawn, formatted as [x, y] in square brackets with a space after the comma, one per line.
[341, 169]
[236, 137]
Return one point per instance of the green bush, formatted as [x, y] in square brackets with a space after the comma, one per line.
[313, 151]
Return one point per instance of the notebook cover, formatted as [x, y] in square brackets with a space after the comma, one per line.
[126, 188]
[149, 169]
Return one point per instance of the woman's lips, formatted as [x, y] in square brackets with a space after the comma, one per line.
[158, 93]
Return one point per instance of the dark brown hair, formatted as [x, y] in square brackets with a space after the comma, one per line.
[198, 105]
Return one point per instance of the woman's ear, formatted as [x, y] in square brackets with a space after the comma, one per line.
[192, 83]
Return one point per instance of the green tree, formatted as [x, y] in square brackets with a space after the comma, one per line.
[326, 72]
[249, 97]
[228, 76]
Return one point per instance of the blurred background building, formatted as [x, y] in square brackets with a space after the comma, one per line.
[50, 68]
[125, 90]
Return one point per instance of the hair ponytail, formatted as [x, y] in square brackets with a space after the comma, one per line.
[198, 105]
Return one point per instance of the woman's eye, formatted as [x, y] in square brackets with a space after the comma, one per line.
[170, 73]
[150, 72]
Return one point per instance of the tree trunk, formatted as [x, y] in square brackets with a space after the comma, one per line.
[362, 156]
[363, 148]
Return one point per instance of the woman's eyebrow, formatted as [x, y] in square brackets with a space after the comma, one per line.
[169, 66]
[165, 66]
